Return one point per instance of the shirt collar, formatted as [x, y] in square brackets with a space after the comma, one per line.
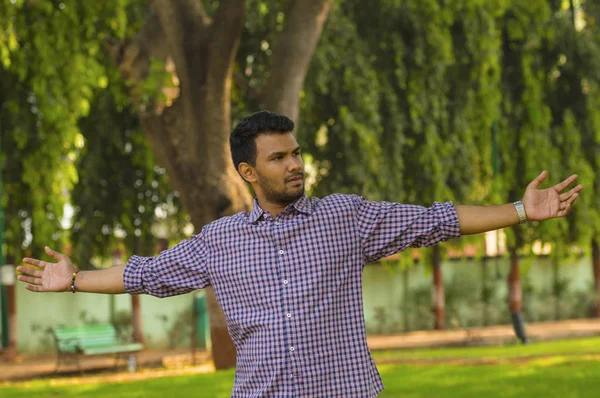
[302, 204]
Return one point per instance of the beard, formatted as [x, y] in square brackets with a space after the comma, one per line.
[273, 195]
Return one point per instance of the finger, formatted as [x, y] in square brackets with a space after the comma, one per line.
[571, 192]
[538, 180]
[55, 255]
[29, 279]
[572, 199]
[568, 202]
[33, 288]
[565, 211]
[35, 263]
[30, 271]
[562, 185]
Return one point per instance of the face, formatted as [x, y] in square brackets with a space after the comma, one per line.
[278, 176]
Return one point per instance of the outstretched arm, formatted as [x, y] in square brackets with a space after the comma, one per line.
[539, 205]
[57, 277]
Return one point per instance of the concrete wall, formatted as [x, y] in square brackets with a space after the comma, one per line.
[167, 323]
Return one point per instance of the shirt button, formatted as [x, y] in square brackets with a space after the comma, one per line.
[285, 282]
[292, 349]
[281, 252]
[264, 216]
[276, 222]
[289, 315]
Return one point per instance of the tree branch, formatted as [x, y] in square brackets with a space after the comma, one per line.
[197, 7]
[225, 34]
[292, 55]
[182, 23]
[158, 129]
[252, 93]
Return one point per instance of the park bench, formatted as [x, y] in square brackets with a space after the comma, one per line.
[73, 343]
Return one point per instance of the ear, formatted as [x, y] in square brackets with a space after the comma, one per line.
[247, 172]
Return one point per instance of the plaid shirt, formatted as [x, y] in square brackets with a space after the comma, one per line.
[291, 287]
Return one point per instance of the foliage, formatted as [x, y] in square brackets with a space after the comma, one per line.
[52, 62]
[120, 187]
[71, 135]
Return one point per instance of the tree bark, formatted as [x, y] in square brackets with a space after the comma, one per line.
[189, 131]
[514, 283]
[292, 55]
[514, 296]
[136, 320]
[596, 266]
[438, 299]
[485, 293]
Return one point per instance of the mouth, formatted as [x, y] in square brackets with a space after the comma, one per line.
[295, 179]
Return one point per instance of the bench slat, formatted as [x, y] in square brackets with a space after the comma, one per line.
[133, 347]
[92, 339]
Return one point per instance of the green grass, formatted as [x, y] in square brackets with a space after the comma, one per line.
[214, 385]
[558, 378]
[560, 347]
[564, 372]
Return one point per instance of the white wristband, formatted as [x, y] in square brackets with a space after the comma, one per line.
[521, 212]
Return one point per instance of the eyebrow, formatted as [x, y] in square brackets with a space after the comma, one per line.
[283, 153]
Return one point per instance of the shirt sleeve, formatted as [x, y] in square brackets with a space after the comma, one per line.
[386, 228]
[178, 270]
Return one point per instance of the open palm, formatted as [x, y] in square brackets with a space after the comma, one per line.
[542, 204]
[47, 277]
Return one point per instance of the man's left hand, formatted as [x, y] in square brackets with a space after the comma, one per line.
[542, 204]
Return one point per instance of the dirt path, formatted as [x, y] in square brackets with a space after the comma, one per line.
[161, 363]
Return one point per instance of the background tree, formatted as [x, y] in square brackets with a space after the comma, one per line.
[408, 117]
[178, 68]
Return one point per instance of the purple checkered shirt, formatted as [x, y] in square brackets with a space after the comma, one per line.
[291, 287]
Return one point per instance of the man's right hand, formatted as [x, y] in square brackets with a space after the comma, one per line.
[47, 277]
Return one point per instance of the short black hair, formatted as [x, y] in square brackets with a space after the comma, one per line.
[243, 137]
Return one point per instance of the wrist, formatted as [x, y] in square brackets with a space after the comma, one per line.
[521, 213]
[73, 285]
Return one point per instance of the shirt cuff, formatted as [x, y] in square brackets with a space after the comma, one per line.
[133, 276]
[448, 224]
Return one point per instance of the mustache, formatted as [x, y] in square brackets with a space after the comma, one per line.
[301, 175]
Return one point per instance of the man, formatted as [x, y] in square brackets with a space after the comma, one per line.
[288, 274]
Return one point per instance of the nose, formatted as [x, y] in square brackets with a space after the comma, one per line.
[295, 164]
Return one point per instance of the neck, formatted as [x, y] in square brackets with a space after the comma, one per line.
[273, 208]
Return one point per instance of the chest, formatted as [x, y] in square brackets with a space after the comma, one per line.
[298, 255]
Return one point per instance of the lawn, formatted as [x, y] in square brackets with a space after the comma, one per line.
[563, 370]
[497, 353]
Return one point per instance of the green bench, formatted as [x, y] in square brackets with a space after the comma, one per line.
[73, 343]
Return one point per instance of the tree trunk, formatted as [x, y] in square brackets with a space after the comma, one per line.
[136, 320]
[596, 265]
[188, 128]
[292, 55]
[406, 294]
[514, 296]
[556, 288]
[10, 352]
[438, 301]
[514, 282]
[485, 291]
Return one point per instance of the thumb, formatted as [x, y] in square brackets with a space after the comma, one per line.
[535, 184]
[53, 254]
